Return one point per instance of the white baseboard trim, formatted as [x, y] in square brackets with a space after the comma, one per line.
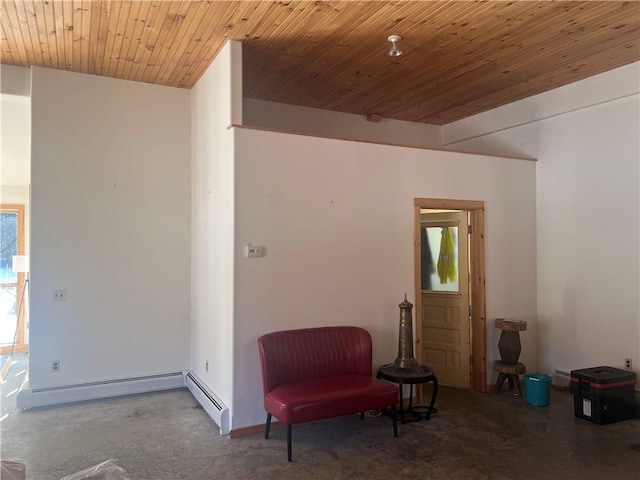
[209, 401]
[44, 397]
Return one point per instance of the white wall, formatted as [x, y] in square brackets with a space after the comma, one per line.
[513, 128]
[314, 121]
[15, 80]
[336, 219]
[586, 137]
[216, 103]
[15, 140]
[111, 225]
[15, 195]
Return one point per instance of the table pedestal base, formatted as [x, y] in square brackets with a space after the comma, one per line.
[411, 377]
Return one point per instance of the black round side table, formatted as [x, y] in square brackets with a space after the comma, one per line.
[411, 376]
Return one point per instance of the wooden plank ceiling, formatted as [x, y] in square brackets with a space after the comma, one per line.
[460, 58]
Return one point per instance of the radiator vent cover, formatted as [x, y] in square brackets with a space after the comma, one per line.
[561, 379]
[210, 402]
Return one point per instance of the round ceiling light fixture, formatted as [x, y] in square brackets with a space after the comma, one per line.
[394, 51]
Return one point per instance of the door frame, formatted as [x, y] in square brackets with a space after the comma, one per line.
[21, 345]
[477, 282]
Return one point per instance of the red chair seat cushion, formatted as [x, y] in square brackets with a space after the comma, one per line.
[320, 398]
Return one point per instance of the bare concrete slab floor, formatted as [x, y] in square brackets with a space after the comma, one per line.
[167, 436]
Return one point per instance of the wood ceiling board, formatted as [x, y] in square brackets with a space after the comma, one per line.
[9, 32]
[85, 32]
[196, 29]
[183, 30]
[230, 20]
[21, 23]
[211, 40]
[460, 58]
[137, 14]
[99, 36]
[149, 39]
[28, 19]
[117, 35]
[481, 68]
[76, 17]
[171, 23]
[555, 65]
[39, 22]
[58, 33]
[305, 50]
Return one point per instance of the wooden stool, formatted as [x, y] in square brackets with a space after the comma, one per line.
[509, 372]
[509, 345]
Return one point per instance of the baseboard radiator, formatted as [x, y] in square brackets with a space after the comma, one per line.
[210, 402]
[561, 379]
[44, 397]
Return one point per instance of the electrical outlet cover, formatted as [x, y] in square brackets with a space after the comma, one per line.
[60, 295]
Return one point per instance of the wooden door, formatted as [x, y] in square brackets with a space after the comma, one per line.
[445, 297]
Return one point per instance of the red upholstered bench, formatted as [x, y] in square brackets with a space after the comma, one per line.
[317, 373]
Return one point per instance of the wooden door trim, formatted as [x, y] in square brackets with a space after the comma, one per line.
[477, 281]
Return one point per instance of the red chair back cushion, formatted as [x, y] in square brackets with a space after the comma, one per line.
[295, 355]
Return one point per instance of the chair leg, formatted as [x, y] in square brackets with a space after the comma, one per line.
[394, 420]
[361, 415]
[288, 442]
[516, 380]
[433, 399]
[267, 426]
[501, 378]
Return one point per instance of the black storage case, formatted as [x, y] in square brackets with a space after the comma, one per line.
[603, 394]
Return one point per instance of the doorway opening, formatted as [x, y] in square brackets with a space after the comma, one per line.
[450, 290]
[13, 286]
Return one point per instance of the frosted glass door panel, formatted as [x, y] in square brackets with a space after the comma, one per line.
[440, 265]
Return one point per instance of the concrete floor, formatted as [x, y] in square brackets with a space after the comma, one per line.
[167, 436]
